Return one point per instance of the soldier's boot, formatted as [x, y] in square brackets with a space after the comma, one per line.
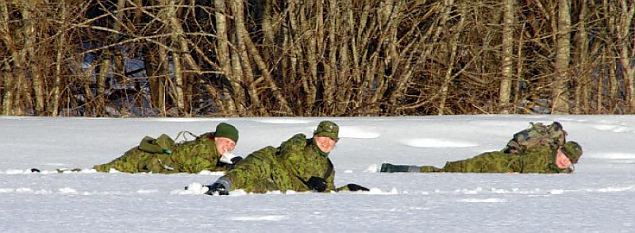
[429, 169]
[387, 167]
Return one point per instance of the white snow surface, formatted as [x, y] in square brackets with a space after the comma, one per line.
[598, 197]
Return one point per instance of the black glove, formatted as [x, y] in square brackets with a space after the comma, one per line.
[217, 189]
[316, 183]
[236, 159]
[356, 187]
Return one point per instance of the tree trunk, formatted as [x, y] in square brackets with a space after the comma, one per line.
[330, 66]
[243, 34]
[230, 102]
[119, 69]
[599, 107]
[242, 40]
[520, 63]
[179, 76]
[30, 57]
[508, 56]
[582, 74]
[310, 55]
[625, 43]
[8, 89]
[104, 69]
[60, 46]
[452, 53]
[155, 65]
[560, 92]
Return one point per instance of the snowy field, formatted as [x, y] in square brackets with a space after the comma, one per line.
[598, 197]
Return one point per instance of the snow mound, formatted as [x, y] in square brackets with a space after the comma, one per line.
[16, 171]
[377, 191]
[373, 168]
[282, 121]
[238, 192]
[482, 200]
[260, 218]
[477, 190]
[437, 143]
[612, 155]
[357, 132]
[67, 190]
[613, 128]
[147, 191]
[211, 173]
[556, 191]
[6, 190]
[612, 189]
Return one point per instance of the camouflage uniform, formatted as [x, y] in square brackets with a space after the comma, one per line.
[539, 159]
[287, 167]
[532, 150]
[162, 155]
[190, 156]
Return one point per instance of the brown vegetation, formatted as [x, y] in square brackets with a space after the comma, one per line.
[316, 57]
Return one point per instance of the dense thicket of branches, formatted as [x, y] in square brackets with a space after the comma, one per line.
[315, 57]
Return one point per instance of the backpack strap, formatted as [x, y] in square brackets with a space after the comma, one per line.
[184, 135]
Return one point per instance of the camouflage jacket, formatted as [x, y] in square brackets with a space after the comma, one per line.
[287, 167]
[163, 156]
[536, 160]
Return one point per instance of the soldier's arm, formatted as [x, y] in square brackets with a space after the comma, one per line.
[330, 181]
[253, 173]
[539, 160]
[194, 156]
[293, 145]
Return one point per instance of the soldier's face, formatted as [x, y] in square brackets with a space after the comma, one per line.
[562, 161]
[224, 145]
[325, 144]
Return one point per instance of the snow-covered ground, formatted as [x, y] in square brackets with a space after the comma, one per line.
[598, 197]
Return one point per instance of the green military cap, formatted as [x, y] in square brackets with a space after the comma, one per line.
[327, 129]
[225, 130]
[573, 151]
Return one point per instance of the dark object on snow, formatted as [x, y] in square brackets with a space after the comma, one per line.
[356, 187]
[35, 170]
[217, 189]
[317, 183]
[387, 167]
[220, 187]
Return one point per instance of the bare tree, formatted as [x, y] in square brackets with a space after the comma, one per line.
[507, 59]
[625, 43]
[560, 91]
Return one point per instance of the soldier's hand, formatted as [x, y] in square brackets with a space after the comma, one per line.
[217, 189]
[236, 159]
[317, 184]
[356, 187]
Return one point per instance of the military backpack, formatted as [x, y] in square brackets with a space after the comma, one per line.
[536, 135]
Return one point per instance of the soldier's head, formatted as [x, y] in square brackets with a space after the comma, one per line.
[326, 135]
[568, 155]
[225, 137]
[573, 151]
